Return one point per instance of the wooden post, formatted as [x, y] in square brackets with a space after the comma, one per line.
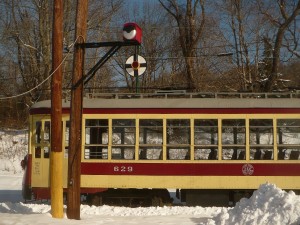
[56, 155]
[74, 157]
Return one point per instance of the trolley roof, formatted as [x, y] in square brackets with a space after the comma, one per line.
[184, 100]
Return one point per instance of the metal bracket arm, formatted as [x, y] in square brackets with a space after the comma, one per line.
[107, 44]
[115, 46]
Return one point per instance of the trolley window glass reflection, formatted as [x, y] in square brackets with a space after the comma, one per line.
[261, 139]
[178, 139]
[288, 139]
[206, 139]
[233, 139]
[123, 138]
[151, 139]
[96, 139]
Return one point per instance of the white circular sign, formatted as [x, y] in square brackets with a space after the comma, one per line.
[135, 65]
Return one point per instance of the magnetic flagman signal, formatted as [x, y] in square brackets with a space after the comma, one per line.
[132, 36]
[132, 33]
[135, 65]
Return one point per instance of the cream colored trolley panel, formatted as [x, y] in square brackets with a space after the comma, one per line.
[189, 182]
[192, 129]
[40, 144]
[164, 139]
[41, 163]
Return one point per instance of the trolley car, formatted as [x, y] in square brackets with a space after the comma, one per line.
[206, 146]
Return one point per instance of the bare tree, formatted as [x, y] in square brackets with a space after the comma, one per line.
[242, 52]
[288, 11]
[100, 29]
[292, 39]
[27, 28]
[155, 34]
[190, 20]
[244, 37]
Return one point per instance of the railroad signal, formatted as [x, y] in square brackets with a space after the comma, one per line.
[135, 65]
[132, 33]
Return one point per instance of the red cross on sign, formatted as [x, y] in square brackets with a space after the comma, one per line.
[135, 65]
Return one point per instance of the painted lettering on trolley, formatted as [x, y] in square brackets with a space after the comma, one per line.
[123, 169]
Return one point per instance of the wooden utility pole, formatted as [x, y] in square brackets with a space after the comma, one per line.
[74, 158]
[56, 155]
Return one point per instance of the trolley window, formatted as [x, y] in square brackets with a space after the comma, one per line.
[42, 139]
[151, 138]
[37, 152]
[288, 138]
[233, 139]
[261, 139]
[96, 139]
[47, 128]
[38, 139]
[123, 138]
[38, 132]
[206, 138]
[178, 138]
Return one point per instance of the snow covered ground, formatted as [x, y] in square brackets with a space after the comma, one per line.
[268, 205]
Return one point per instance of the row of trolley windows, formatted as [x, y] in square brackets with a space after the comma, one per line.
[179, 139]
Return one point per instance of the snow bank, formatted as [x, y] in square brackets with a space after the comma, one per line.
[21, 208]
[13, 148]
[267, 205]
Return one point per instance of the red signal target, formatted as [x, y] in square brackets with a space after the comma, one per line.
[135, 65]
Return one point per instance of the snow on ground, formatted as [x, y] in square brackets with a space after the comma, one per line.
[13, 147]
[268, 205]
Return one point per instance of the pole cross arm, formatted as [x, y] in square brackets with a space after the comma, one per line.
[107, 44]
[115, 46]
